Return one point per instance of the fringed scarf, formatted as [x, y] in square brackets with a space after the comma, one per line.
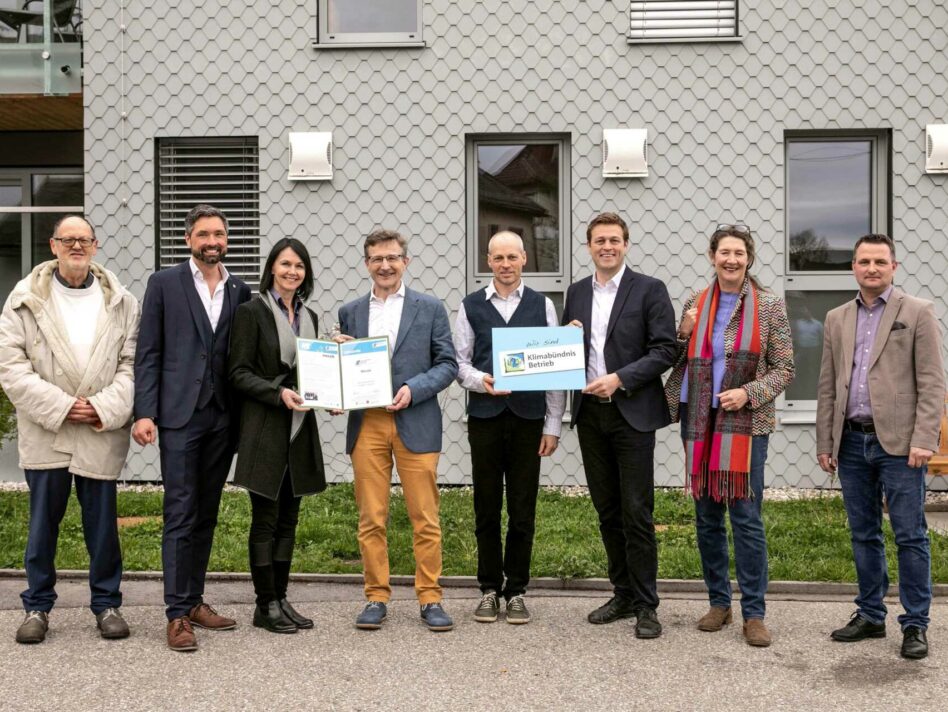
[718, 455]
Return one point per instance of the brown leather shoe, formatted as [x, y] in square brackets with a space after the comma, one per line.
[756, 633]
[715, 619]
[181, 636]
[203, 616]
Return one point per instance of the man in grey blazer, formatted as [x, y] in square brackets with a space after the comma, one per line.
[880, 398]
[407, 432]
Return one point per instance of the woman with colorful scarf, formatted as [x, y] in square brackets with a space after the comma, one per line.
[735, 356]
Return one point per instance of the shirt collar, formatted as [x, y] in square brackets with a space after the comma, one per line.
[884, 296]
[492, 290]
[198, 274]
[90, 278]
[399, 293]
[297, 302]
[615, 280]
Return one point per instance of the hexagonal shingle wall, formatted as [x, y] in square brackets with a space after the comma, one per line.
[716, 115]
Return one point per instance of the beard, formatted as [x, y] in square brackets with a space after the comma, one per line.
[202, 255]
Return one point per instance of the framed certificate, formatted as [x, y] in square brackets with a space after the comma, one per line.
[545, 358]
[349, 376]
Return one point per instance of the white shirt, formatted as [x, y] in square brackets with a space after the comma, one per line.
[213, 303]
[473, 380]
[385, 315]
[604, 297]
[80, 311]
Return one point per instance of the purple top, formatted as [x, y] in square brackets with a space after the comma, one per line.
[859, 406]
[726, 303]
[297, 305]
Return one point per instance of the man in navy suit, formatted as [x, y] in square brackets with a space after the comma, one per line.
[407, 432]
[183, 400]
[628, 326]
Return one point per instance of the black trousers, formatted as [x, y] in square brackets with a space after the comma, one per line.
[620, 472]
[195, 461]
[504, 449]
[272, 536]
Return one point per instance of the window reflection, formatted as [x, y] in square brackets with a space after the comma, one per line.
[807, 311]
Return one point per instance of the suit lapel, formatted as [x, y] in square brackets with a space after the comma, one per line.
[201, 321]
[362, 318]
[891, 310]
[409, 312]
[585, 311]
[625, 286]
[849, 335]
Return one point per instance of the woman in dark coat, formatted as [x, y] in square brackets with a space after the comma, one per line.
[279, 458]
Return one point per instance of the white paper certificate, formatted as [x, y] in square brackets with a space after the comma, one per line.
[350, 376]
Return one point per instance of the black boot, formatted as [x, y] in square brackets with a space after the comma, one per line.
[261, 571]
[282, 556]
[271, 617]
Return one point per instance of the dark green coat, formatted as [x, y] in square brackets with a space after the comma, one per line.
[258, 374]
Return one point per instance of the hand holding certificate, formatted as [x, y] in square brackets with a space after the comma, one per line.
[540, 358]
[352, 375]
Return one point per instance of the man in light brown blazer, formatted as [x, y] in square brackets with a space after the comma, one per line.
[880, 398]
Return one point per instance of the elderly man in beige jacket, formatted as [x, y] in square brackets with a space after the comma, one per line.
[880, 399]
[67, 348]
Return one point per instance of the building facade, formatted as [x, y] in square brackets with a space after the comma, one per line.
[450, 119]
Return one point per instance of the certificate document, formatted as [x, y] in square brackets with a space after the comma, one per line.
[543, 358]
[349, 376]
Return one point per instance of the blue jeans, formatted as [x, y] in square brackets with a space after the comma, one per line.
[49, 495]
[750, 542]
[866, 473]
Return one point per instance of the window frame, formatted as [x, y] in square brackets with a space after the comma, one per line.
[803, 410]
[250, 239]
[549, 282]
[352, 40]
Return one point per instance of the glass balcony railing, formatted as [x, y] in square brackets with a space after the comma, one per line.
[40, 47]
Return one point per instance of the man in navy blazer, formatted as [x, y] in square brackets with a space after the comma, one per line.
[407, 432]
[628, 327]
[183, 399]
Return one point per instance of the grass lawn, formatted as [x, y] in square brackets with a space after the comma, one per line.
[807, 539]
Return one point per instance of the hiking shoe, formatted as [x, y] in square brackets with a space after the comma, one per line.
[756, 633]
[486, 611]
[647, 625]
[203, 616]
[372, 616]
[111, 624]
[33, 628]
[436, 618]
[715, 619]
[517, 613]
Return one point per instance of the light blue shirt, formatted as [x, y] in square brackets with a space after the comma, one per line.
[726, 304]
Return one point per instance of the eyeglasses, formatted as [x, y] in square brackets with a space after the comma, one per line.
[735, 229]
[379, 259]
[84, 242]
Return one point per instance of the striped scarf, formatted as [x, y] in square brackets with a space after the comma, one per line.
[718, 454]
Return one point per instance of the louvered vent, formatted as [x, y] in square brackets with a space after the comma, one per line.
[666, 19]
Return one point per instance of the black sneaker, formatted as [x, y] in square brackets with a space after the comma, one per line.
[647, 625]
[33, 628]
[372, 616]
[111, 624]
[914, 643]
[517, 613]
[486, 611]
[858, 629]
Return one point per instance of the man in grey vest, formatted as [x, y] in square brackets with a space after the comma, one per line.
[508, 432]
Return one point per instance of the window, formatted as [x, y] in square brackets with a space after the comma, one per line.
[31, 201]
[369, 22]
[669, 21]
[520, 183]
[837, 190]
[221, 171]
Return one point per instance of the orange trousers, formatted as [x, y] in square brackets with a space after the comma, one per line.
[376, 448]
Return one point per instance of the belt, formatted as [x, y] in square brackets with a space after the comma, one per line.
[858, 427]
[596, 399]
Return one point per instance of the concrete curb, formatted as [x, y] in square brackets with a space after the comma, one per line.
[802, 588]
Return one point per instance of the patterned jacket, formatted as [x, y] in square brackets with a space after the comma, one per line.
[774, 370]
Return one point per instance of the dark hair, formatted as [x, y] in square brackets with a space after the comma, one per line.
[875, 239]
[266, 277]
[747, 238]
[382, 235]
[64, 218]
[607, 219]
[203, 210]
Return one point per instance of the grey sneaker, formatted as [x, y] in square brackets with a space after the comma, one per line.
[517, 613]
[486, 611]
[111, 624]
[33, 628]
